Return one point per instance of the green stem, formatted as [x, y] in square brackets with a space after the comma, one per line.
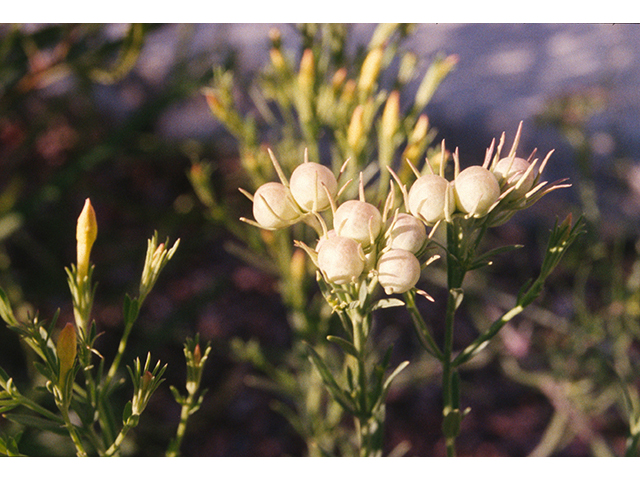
[174, 447]
[367, 422]
[450, 395]
[118, 358]
[73, 433]
[115, 446]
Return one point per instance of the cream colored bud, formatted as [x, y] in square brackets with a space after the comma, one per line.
[398, 271]
[309, 185]
[86, 234]
[428, 199]
[476, 190]
[358, 220]
[509, 171]
[407, 233]
[272, 207]
[341, 259]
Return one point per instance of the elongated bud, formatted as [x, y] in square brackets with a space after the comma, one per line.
[298, 266]
[86, 233]
[338, 79]
[197, 355]
[348, 92]
[307, 73]
[370, 70]
[277, 60]
[67, 350]
[356, 128]
[215, 104]
[420, 129]
[391, 115]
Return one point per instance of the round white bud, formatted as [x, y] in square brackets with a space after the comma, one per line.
[272, 206]
[428, 200]
[476, 190]
[306, 186]
[398, 271]
[358, 220]
[407, 233]
[511, 170]
[341, 259]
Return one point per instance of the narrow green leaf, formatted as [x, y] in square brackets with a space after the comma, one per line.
[126, 413]
[347, 346]
[394, 374]
[387, 303]
[36, 422]
[330, 382]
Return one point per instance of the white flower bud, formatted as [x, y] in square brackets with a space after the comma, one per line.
[272, 206]
[306, 186]
[476, 190]
[407, 233]
[428, 200]
[341, 259]
[511, 170]
[358, 220]
[398, 271]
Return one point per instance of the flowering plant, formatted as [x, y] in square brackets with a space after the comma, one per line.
[74, 370]
[370, 247]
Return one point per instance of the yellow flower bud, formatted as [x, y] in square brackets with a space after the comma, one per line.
[356, 128]
[215, 104]
[86, 233]
[307, 72]
[277, 60]
[67, 349]
[370, 70]
[391, 115]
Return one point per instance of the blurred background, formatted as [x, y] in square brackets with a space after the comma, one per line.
[116, 112]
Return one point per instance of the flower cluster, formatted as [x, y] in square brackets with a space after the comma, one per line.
[383, 243]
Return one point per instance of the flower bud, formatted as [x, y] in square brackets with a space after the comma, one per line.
[358, 220]
[306, 186]
[428, 199]
[370, 70]
[341, 259]
[509, 171]
[355, 132]
[407, 233]
[272, 207]
[86, 233]
[398, 271]
[67, 350]
[476, 190]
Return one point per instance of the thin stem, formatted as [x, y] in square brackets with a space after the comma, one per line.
[450, 396]
[73, 433]
[115, 446]
[118, 357]
[174, 447]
